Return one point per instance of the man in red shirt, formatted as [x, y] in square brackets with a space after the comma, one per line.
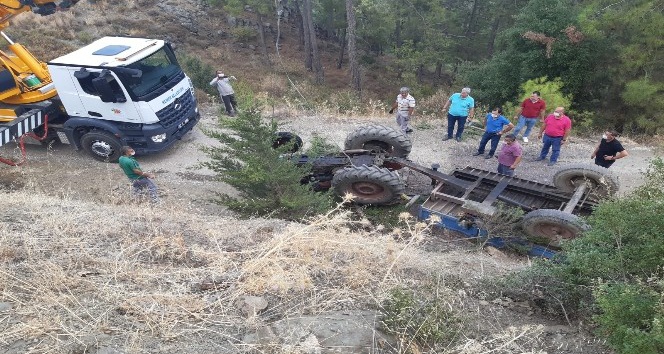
[532, 109]
[554, 133]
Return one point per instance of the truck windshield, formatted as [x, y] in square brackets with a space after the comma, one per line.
[157, 70]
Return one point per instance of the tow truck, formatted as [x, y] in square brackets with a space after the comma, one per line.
[112, 92]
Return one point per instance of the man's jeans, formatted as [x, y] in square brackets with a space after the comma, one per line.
[505, 170]
[140, 185]
[451, 120]
[494, 137]
[402, 120]
[529, 123]
[552, 143]
[230, 104]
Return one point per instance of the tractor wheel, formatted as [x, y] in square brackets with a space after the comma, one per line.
[551, 226]
[368, 185]
[102, 146]
[603, 182]
[288, 138]
[379, 138]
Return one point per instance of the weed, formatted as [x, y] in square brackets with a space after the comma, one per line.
[424, 318]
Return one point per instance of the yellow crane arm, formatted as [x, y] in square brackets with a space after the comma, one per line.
[24, 78]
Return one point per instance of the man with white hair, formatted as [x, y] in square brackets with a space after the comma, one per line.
[405, 105]
[461, 107]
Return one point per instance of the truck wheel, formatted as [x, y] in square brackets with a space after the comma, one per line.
[288, 138]
[369, 184]
[102, 146]
[379, 138]
[551, 226]
[603, 182]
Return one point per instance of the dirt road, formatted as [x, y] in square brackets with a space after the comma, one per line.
[60, 168]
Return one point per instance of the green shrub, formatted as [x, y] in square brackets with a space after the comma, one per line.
[199, 72]
[550, 91]
[386, 215]
[632, 316]
[268, 183]
[244, 33]
[321, 147]
[603, 274]
[420, 317]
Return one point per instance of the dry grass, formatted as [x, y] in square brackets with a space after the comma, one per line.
[81, 273]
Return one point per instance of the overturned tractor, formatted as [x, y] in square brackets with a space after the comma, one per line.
[367, 169]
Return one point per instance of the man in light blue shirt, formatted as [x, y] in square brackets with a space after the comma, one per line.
[461, 106]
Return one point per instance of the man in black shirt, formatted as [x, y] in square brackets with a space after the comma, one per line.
[608, 150]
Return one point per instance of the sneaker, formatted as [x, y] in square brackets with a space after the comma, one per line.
[477, 153]
[458, 140]
[551, 163]
[488, 157]
[525, 139]
[446, 138]
[540, 159]
[409, 130]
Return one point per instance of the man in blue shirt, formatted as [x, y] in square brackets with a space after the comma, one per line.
[495, 126]
[461, 106]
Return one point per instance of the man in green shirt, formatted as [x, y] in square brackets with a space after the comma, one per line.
[140, 180]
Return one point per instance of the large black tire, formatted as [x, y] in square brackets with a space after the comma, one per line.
[102, 146]
[379, 138]
[603, 183]
[551, 226]
[369, 185]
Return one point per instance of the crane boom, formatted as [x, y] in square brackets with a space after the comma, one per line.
[24, 79]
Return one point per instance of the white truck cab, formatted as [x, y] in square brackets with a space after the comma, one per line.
[122, 91]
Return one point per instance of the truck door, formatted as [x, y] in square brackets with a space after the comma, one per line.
[95, 98]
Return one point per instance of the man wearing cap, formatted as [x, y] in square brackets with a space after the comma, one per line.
[405, 106]
[461, 107]
[554, 133]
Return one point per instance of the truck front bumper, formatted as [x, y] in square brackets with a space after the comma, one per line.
[145, 145]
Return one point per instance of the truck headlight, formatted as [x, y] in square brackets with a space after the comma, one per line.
[191, 87]
[159, 138]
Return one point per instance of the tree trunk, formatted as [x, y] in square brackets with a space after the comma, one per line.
[261, 39]
[492, 36]
[420, 74]
[315, 56]
[342, 44]
[299, 22]
[354, 64]
[308, 63]
[471, 18]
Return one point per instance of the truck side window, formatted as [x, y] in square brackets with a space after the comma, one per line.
[86, 83]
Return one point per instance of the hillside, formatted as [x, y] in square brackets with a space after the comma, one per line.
[85, 270]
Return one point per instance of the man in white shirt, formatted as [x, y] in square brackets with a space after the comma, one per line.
[405, 105]
[223, 84]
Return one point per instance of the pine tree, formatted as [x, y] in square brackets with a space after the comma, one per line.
[267, 180]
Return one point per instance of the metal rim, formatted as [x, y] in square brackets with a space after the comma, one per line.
[101, 148]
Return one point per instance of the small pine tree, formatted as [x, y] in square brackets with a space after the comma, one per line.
[267, 181]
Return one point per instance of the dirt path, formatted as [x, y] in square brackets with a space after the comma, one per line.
[63, 170]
